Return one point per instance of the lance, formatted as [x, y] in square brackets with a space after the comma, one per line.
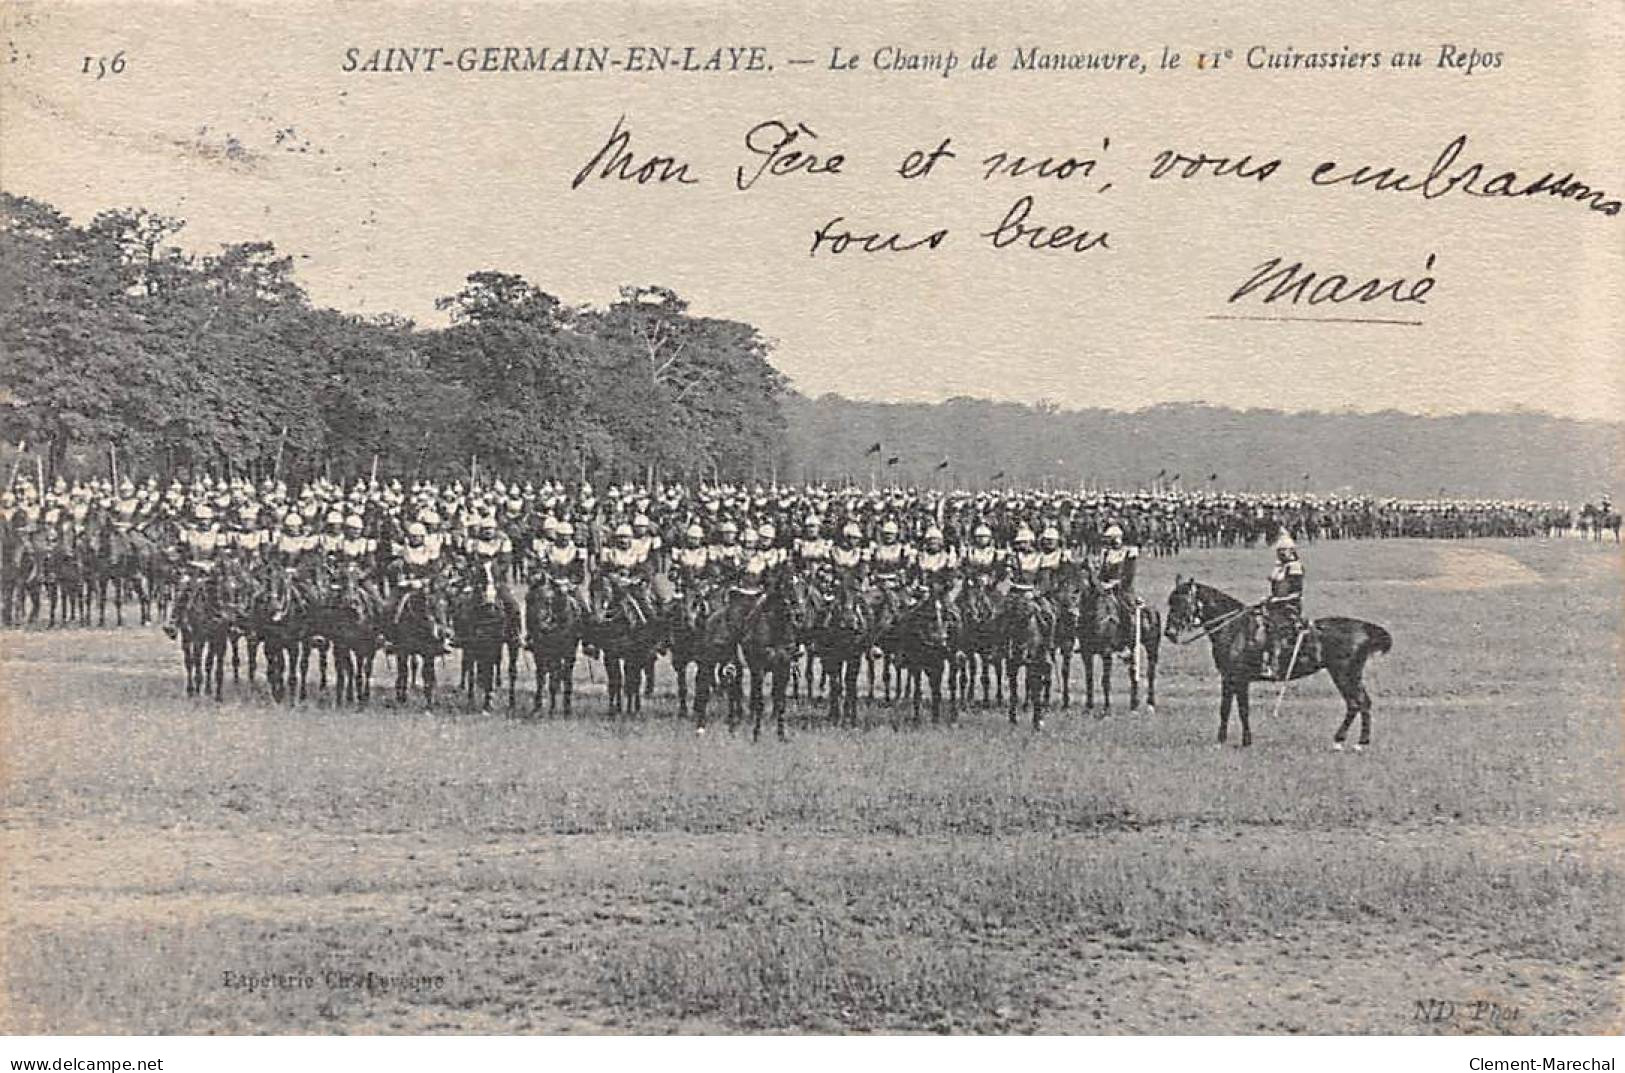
[374, 478]
[39, 475]
[282, 441]
[112, 461]
[22, 447]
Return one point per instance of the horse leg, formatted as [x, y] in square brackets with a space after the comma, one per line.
[1066, 676]
[485, 671]
[757, 673]
[1133, 681]
[1011, 669]
[236, 659]
[1038, 686]
[1151, 677]
[402, 661]
[217, 648]
[850, 689]
[1244, 709]
[513, 671]
[426, 673]
[1105, 683]
[1226, 695]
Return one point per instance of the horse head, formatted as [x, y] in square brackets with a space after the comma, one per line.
[1183, 606]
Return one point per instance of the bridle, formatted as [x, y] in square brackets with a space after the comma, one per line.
[1206, 627]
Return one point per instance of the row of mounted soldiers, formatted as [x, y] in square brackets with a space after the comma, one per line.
[75, 547]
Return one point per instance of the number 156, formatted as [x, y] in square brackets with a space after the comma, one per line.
[104, 66]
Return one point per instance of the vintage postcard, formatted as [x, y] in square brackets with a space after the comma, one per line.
[627, 518]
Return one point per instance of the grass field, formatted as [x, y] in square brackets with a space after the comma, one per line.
[1118, 875]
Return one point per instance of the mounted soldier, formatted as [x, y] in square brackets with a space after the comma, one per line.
[198, 552]
[1119, 563]
[1283, 610]
[623, 573]
[415, 569]
[1027, 577]
[691, 560]
[935, 567]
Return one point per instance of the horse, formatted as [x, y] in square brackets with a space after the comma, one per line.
[1102, 632]
[1028, 639]
[279, 621]
[980, 609]
[124, 555]
[625, 637]
[843, 640]
[418, 632]
[553, 613]
[700, 635]
[769, 637]
[925, 649]
[1339, 646]
[350, 622]
[76, 568]
[885, 611]
[1067, 599]
[217, 609]
[485, 626]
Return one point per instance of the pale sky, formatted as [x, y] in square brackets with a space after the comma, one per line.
[408, 182]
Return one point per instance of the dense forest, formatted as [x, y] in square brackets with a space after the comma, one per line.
[116, 342]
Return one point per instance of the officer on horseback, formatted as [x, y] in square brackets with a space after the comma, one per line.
[1283, 610]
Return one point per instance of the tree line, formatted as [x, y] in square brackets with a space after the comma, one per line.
[118, 344]
[1199, 447]
[112, 338]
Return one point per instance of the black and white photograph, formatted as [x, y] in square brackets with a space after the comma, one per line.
[629, 519]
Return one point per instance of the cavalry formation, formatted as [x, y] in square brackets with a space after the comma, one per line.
[754, 592]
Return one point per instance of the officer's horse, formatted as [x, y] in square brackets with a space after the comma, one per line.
[1339, 646]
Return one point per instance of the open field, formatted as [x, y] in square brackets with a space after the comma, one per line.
[1117, 875]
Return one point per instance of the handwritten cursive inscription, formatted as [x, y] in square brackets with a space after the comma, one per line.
[832, 238]
[775, 143]
[1014, 229]
[614, 160]
[1293, 284]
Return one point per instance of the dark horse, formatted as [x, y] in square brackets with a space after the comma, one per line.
[769, 636]
[126, 555]
[626, 637]
[486, 626]
[219, 607]
[1104, 630]
[843, 639]
[279, 621]
[925, 650]
[703, 637]
[1339, 646]
[418, 634]
[1029, 638]
[350, 620]
[553, 613]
